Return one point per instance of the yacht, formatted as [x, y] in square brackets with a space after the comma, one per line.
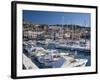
[29, 46]
[78, 46]
[72, 62]
[54, 58]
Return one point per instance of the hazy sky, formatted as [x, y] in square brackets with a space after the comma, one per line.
[48, 17]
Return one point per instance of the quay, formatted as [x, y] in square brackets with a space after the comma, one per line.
[28, 64]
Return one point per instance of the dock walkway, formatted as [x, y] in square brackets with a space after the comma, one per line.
[28, 63]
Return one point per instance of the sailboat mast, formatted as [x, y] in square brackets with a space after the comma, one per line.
[62, 21]
[62, 25]
[85, 32]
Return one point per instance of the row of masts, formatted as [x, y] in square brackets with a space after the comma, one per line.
[72, 27]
